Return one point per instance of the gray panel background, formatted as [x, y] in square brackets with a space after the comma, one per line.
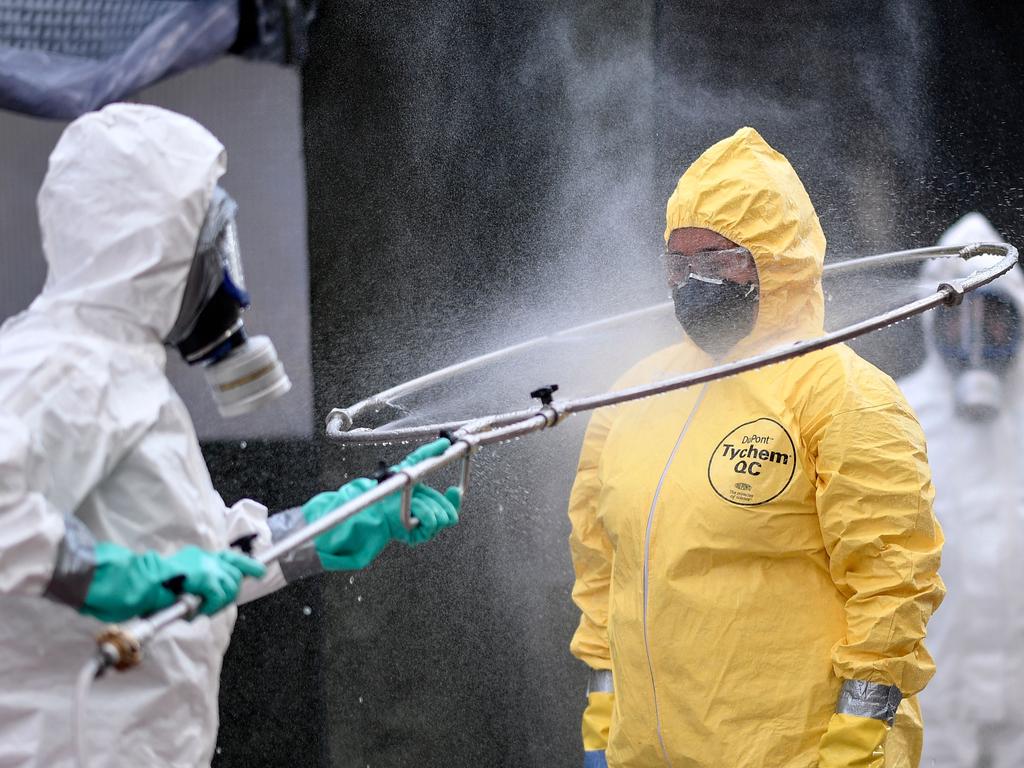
[254, 109]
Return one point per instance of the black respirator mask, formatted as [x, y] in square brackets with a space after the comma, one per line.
[978, 342]
[243, 373]
[715, 313]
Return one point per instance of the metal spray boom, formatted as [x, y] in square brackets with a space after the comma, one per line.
[121, 646]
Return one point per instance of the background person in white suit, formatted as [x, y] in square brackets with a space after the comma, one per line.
[969, 398]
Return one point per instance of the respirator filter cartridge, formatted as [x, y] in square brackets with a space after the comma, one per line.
[250, 376]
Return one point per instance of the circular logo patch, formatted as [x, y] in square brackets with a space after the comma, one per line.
[754, 463]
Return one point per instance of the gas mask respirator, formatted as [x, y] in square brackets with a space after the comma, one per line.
[715, 313]
[243, 373]
[978, 342]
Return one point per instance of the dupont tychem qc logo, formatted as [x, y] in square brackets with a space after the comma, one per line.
[754, 463]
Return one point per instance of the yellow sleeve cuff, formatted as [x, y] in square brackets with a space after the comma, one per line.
[597, 720]
[853, 742]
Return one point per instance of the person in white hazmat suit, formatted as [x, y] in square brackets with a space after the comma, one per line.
[107, 510]
[969, 397]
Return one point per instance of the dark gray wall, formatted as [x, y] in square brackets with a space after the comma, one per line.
[470, 194]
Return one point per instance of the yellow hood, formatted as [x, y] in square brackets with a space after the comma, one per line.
[744, 190]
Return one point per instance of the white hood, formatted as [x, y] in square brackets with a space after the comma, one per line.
[120, 209]
[971, 228]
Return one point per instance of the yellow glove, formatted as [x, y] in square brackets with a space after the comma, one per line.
[853, 742]
[597, 720]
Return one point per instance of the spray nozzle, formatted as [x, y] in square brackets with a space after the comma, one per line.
[244, 543]
[545, 394]
[382, 472]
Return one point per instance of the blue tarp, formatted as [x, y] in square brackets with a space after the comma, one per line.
[62, 58]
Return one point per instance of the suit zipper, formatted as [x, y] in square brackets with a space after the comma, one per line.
[647, 565]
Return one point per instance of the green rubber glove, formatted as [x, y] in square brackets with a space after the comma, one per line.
[853, 742]
[424, 452]
[126, 584]
[354, 543]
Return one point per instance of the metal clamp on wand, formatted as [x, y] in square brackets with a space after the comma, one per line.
[384, 472]
[954, 292]
[408, 521]
[466, 439]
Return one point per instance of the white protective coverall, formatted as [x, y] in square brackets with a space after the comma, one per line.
[91, 427]
[974, 706]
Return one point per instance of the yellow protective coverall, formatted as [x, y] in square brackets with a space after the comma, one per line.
[742, 548]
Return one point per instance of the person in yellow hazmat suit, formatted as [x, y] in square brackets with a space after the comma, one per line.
[756, 559]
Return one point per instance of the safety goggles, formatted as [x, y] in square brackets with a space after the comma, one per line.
[983, 332]
[708, 266]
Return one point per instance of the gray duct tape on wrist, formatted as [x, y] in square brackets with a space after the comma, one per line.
[600, 681]
[75, 566]
[864, 699]
[302, 561]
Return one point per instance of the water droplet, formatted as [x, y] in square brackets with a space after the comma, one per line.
[306, 610]
[243, 445]
[359, 599]
[219, 750]
[360, 699]
[351, 579]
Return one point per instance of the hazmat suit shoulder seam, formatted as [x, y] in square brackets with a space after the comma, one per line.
[873, 407]
[845, 383]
